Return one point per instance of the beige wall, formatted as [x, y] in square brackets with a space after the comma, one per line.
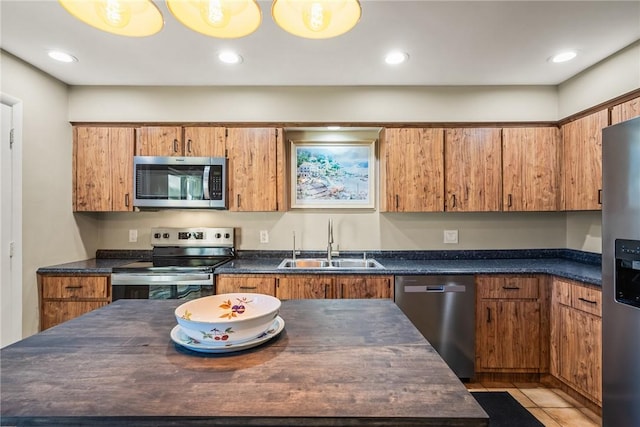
[51, 233]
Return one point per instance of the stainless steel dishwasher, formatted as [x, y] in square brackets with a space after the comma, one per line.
[443, 310]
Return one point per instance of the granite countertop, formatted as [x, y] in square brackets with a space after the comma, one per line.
[575, 265]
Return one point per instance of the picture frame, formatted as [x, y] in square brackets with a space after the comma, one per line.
[333, 174]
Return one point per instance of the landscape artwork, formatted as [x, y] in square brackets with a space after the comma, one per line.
[332, 175]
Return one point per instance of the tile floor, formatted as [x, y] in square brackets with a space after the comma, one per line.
[552, 407]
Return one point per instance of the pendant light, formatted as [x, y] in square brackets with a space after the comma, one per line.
[316, 19]
[132, 18]
[218, 18]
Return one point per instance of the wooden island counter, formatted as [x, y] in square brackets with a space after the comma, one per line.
[337, 363]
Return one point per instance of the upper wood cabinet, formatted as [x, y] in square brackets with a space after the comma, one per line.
[625, 111]
[103, 169]
[473, 175]
[412, 170]
[256, 169]
[582, 158]
[198, 141]
[531, 169]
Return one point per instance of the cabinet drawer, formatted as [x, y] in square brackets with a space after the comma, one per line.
[516, 287]
[586, 299]
[75, 287]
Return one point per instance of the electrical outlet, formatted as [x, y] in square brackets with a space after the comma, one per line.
[133, 236]
[264, 236]
[451, 236]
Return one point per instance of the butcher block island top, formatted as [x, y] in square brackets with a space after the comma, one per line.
[336, 363]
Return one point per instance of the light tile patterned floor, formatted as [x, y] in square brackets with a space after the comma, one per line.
[552, 407]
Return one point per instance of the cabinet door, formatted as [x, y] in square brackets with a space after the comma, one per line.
[159, 141]
[306, 287]
[241, 283]
[364, 286]
[56, 312]
[581, 351]
[582, 153]
[473, 170]
[508, 335]
[531, 169]
[204, 141]
[253, 183]
[103, 169]
[625, 111]
[412, 170]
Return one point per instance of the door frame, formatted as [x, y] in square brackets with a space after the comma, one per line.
[15, 263]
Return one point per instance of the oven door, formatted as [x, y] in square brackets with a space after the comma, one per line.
[147, 285]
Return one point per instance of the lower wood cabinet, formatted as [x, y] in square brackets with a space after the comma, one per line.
[307, 286]
[576, 328]
[63, 298]
[511, 325]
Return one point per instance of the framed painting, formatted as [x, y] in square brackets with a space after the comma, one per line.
[333, 174]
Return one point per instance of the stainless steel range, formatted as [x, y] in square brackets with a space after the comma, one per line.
[182, 265]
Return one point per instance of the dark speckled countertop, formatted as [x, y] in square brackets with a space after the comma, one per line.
[576, 265]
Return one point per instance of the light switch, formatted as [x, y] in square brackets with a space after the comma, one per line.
[451, 236]
[133, 236]
[264, 236]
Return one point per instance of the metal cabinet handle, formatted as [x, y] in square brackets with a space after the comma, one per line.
[248, 287]
[189, 146]
[509, 201]
[397, 201]
[588, 301]
[238, 201]
[488, 315]
[600, 196]
[453, 203]
[73, 287]
[511, 288]
[126, 200]
[175, 145]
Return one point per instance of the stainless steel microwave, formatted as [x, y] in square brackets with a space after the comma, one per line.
[180, 182]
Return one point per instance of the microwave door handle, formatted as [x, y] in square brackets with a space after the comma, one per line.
[205, 183]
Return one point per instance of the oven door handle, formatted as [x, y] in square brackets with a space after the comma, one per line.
[174, 279]
[205, 182]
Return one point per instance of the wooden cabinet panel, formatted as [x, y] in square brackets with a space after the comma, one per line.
[103, 169]
[412, 170]
[625, 111]
[204, 141]
[159, 141]
[576, 337]
[63, 298]
[582, 155]
[507, 287]
[512, 328]
[306, 287]
[509, 334]
[253, 169]
[531, 169]
[364, 286]
[75, 287]
[233, 283]
[473, 170]
[57, 312]
[581, 351]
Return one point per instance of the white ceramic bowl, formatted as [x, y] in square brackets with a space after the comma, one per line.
[227, 318]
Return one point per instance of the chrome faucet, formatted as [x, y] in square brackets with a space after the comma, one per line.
[294, 245]
[330, 240]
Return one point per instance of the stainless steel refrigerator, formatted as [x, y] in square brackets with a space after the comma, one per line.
[621, 275]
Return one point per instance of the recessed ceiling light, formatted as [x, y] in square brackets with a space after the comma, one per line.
[563, 56]
[62, 56]
[229, 57]
[396, 57]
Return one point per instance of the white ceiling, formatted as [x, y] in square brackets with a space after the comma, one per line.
[449, 43]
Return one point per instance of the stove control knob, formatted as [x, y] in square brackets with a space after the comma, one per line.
[218, 235]
[156, 235]
[165, 235]
[227, 235]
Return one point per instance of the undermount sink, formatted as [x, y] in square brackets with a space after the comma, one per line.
[321, 263]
